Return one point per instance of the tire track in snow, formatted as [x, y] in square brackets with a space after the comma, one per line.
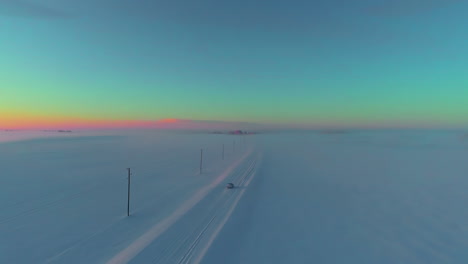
[182, 242]
[154, 232]
[187, 233]
[219, 227]
[188, 254]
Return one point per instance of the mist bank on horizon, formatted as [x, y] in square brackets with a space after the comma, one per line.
[69, 124]
[168, 123]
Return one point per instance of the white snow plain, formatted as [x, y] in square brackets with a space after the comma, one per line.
[353, 197]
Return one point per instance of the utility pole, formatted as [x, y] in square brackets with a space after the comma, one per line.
[128, 200]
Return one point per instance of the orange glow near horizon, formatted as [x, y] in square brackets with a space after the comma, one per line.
[168, 121]
[25, 121]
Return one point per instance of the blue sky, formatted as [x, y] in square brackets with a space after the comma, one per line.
[299, 62]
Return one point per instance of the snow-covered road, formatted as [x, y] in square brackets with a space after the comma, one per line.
[191, 228]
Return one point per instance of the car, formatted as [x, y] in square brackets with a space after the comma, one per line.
[230, 185]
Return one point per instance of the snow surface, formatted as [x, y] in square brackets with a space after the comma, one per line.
[357, 197]
[381, 197]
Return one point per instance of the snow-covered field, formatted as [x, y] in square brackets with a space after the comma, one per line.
[357, 197]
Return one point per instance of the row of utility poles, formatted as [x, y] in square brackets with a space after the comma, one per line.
[201, 169]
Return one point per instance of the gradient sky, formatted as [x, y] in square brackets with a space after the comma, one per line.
[350, 63]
